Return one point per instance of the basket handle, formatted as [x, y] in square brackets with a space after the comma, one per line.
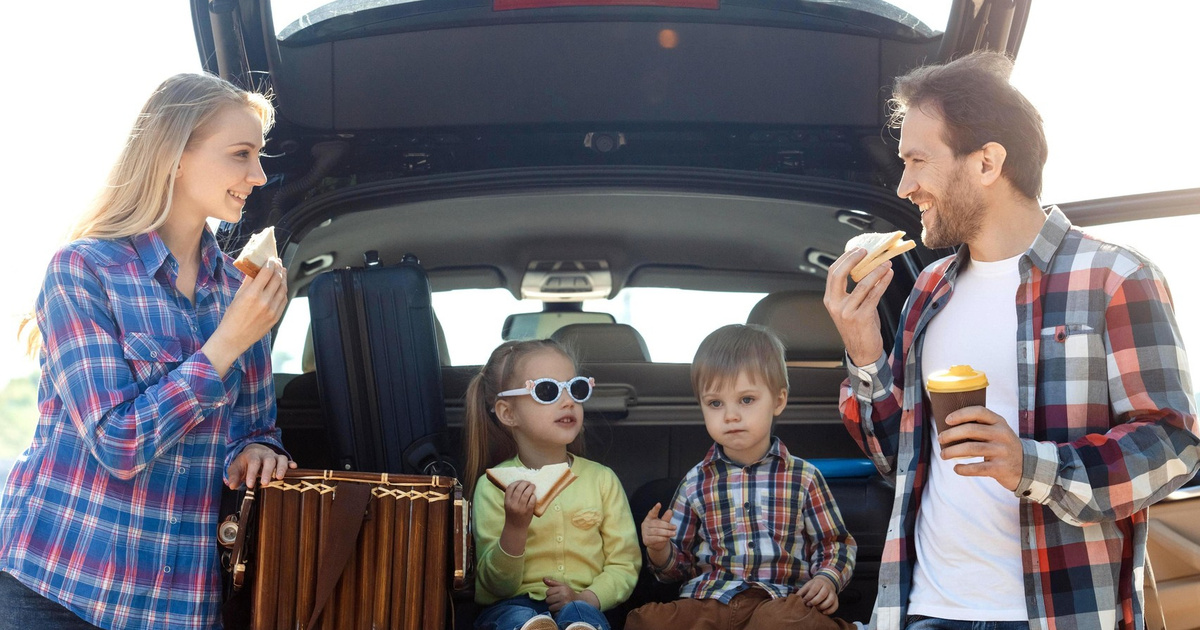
[338, 540]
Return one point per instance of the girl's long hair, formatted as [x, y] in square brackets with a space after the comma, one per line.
[137, 196]
[488, 442]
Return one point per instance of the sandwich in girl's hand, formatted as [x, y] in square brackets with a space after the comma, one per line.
[548, 481]
[258, 250]
[880, 248]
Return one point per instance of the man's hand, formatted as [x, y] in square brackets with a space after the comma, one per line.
[657, 533]
[994, 441]
[257, 462]
[519, 502]
[856, 314]
[820, 593]
[559, 594]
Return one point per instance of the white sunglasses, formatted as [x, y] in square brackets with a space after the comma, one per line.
[547, 390]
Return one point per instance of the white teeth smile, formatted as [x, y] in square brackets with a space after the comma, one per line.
[238, 196]
[924, 207]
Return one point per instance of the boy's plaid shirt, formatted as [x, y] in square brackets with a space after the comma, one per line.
[1106, 418]
[772, 524]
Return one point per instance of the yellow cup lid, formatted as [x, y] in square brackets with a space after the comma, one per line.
[959, 378]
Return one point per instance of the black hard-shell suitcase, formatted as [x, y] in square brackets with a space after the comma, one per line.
[378, 369]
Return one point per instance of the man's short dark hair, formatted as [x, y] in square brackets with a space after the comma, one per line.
[973, 98]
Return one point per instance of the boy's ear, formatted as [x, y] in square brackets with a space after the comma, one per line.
[781, 401]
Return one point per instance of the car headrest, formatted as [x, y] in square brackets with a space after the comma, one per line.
[802, 323]
[603, 343]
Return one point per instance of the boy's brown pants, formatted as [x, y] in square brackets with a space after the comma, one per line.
[752, 609]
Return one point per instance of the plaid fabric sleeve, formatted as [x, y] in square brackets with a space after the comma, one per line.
[831, 548]
[253, 418]
[1153, 445]
[89, 362]
[872, 397]
[681, 564]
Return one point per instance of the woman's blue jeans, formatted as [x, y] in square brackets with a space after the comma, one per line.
[24, 609]
[511, 614]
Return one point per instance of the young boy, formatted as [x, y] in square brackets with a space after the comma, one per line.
[753, 529]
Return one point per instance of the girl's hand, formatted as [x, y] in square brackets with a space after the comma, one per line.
[519, 501]
[559, 594]
[257, 461]
[256, 307]
[820, 593]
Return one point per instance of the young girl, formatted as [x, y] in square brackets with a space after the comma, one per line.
[559, 570]
[155, 381]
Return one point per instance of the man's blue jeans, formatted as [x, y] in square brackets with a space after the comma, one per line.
[511, 614]
[919, 622]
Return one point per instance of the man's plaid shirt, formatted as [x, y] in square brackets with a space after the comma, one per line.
[1106, 418]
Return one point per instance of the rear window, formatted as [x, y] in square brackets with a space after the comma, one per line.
[925, 17]
[672, 321]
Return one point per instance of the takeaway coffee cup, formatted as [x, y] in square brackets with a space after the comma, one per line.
[951, 390]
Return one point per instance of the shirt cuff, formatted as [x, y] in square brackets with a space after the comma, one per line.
[668, 571]
[209, 388]
[833, 577]
[864, 379]
[1039, 470]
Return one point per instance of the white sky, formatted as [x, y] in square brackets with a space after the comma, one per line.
[1117, 91]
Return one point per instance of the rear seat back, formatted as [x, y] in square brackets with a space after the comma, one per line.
[802, 323]
[603, 343]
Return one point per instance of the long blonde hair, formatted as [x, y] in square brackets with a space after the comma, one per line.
[488, 442]
[137, 196]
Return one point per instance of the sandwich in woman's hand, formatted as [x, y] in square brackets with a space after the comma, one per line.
[548, 481]
[258, 250]
[880, 247]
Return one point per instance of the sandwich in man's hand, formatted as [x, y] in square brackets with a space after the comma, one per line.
[258, 250]
[880, 248]
[548, 481]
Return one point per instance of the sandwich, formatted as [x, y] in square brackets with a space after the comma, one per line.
[548, 481]
[880, 247]
[258, 250]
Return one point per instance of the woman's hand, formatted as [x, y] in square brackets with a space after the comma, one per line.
[257, 462]
[255, 309]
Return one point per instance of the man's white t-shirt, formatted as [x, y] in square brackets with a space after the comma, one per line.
[968, 528]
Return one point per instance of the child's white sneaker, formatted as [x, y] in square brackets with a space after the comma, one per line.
[540, 622]
[581, 625]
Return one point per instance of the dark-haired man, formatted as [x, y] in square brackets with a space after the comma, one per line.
[1089, 416]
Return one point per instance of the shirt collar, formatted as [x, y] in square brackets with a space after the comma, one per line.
[1053, 231]
[154, 253]
[716, 453]
[1040, 252]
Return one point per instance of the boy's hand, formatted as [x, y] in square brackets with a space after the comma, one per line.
[559, 594]
[519, 501]
[656, 535]
[820, 593]
[657, 531]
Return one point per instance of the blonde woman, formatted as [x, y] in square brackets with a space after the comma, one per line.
[155, 381]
